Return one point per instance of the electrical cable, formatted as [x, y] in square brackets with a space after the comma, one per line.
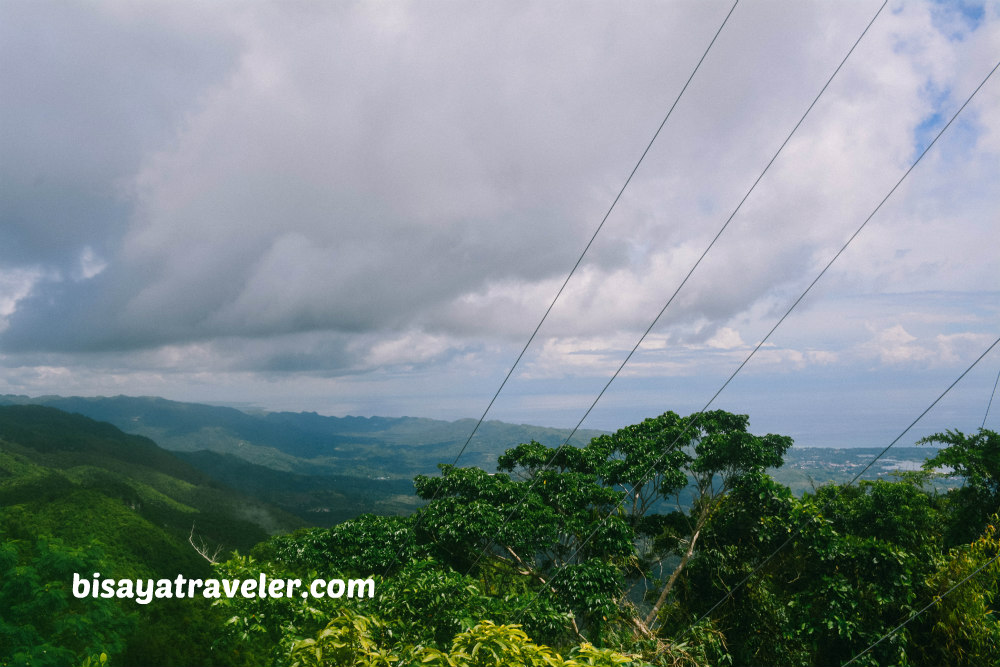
[690, 272]
[988, 405]
[590, 242]
[773, 329]
[798, 529]
[597, 231]
[933, 602]
[841, 489]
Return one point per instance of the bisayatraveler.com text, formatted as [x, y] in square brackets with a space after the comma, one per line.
[143, 591]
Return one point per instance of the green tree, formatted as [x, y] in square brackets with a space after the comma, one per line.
[41, 623]
[556, 509]
[976, 460]
[852, 563]
[693, 462]
[362, 545]
[557, 521]
[963, 628]
[353, 639]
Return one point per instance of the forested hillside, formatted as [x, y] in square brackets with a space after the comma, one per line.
[664, 543]
[566, 545]
[319, 500]
[328, 469]
[78, 495]
[305, 442]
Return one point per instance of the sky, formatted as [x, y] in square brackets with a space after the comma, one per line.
[366, 208]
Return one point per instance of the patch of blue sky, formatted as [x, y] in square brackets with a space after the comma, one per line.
[961, 136]
[957, 18]
[925, 132]
[959, 141]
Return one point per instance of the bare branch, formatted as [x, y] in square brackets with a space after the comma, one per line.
[203, 549]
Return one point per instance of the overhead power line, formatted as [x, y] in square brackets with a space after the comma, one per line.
[597, 231]
[853, 236]
[840, 491]
[988, 405]
[775, 327]
[691, 271]
[930, 604]
[586, 248]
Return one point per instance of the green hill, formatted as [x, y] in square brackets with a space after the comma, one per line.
[308, 443]
[79, 496]
[319, 500]
[74, 478]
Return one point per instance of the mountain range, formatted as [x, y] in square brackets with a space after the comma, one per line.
[325, 469]
[321, 469]
[69, 476]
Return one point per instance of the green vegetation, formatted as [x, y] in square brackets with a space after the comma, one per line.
[319, 500]
[81, 496]
[325, 470]
[608, 553]
[41, 623]
[305, 442]
[528, 551]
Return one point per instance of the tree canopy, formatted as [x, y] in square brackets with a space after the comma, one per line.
[664, 543]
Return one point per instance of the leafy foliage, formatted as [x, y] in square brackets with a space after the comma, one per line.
[612, 553]
[962, 628]
[358, 640]
[41, 623]
[362, 545]
[976, 460]
[77, 493]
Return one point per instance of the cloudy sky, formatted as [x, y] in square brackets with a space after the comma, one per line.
[366, 207]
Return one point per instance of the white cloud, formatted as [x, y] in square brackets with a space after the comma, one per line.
[342, 190]
[411, 348]
[90, 264]
[726, 338]
[15, 285]
[895, 345]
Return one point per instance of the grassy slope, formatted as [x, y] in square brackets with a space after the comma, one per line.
[78, 479]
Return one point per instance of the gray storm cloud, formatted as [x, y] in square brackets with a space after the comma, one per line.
[367, 171]
[86, 93]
